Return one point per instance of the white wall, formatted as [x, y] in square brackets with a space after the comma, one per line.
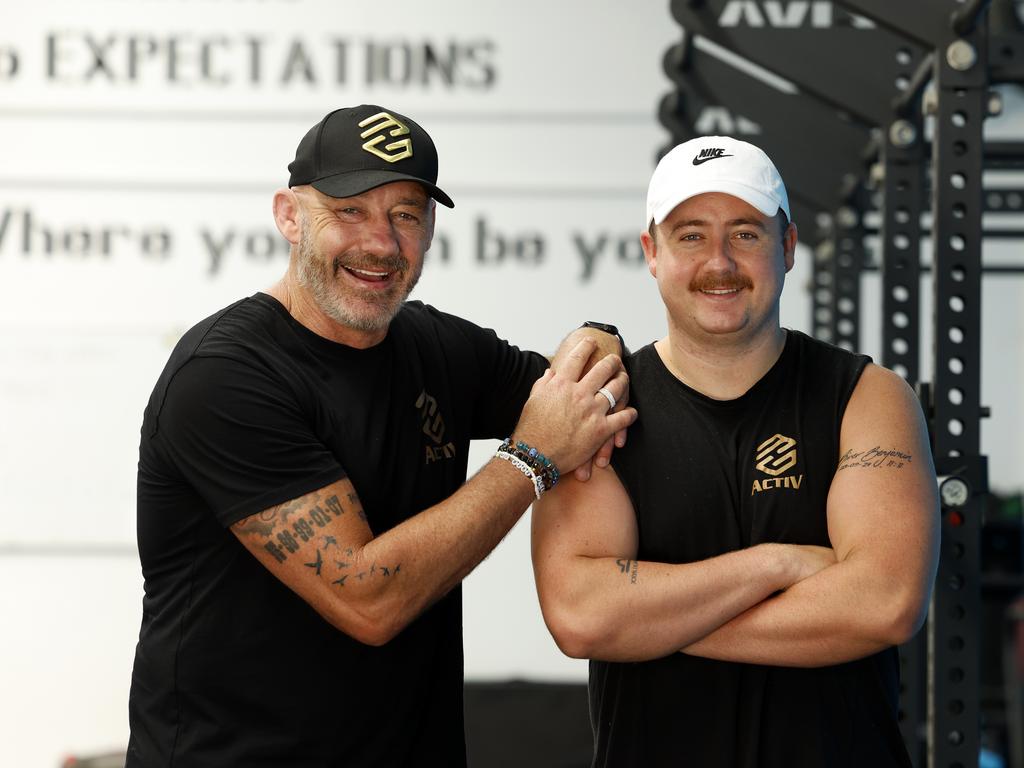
[547, 135]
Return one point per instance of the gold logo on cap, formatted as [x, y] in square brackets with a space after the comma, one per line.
[776, 455]
[381, 122]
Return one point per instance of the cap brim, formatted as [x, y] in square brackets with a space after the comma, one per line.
[357, 182]
[766, 204]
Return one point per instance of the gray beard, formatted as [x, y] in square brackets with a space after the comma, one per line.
[314, 277]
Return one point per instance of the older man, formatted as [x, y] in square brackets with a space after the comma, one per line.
[304, 519]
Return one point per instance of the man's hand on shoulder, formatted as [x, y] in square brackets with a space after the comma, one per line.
[607, 341]
[567, 416]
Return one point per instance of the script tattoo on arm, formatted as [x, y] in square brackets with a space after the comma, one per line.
[874, 458]
[629, 568]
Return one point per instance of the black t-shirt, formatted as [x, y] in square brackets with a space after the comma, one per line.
[252, 410]
[708, 477]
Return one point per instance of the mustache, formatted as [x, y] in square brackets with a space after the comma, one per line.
[369, 263]
[720, 281]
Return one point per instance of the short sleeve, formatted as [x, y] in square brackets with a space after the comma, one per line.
[504, 373]
[238, 435]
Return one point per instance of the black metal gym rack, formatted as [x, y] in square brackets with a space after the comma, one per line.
[873, 110]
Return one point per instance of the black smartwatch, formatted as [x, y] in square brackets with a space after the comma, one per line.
[607, 328]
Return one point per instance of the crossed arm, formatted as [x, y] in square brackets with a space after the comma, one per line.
[869, 592]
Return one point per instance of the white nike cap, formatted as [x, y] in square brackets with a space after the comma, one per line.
[715, 164]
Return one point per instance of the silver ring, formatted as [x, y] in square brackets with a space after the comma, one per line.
[609, 396]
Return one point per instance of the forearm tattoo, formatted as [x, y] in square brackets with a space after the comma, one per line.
[300, 524]
[874, 458]
[629, 568]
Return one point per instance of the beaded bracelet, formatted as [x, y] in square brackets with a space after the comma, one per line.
[540, 465]
[522, 466]
[541, 462]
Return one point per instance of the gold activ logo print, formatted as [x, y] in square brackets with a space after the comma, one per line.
[774, 456]
[379, 124]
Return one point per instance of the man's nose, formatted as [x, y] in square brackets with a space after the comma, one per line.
[721, 256]
[378, 236]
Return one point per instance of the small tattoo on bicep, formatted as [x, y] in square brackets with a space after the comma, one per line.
[629, 567]
[874, 458]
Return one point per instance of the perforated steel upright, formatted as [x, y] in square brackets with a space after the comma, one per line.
[957, 162]
[900, 233]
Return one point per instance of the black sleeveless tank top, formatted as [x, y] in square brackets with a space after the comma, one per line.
[708, 477]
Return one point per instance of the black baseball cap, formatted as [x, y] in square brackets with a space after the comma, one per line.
[354, 149]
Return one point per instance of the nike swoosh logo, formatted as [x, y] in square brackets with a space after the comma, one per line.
[702, 160]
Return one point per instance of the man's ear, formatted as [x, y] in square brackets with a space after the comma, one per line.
[650, 252]
[287, 215]
[789, 245]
